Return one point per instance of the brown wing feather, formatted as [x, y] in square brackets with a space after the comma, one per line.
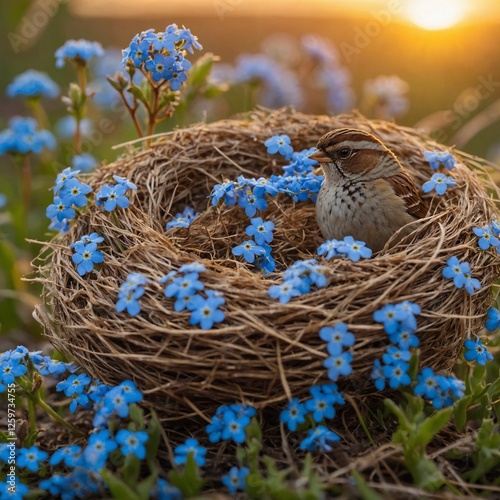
[404, 187]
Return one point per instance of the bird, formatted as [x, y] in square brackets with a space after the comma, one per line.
[366, 192]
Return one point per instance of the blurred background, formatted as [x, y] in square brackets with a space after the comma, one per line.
[432, 64]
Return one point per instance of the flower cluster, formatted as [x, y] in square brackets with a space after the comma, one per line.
[400, 325]
[86, 253]
[338, 362]
[439, 182]
[320, 406]
[183, 219]
[438, 158]
[460, 272]
[131, 290]
[262, 233]
[298, 279]
[332, 78]
[348, 247]
[229, 423]
[69, 193]
[184, 286]
[439, 389]
[33, 84]
[23, 137]
[112, 195]
[488, 236]
[79, 52]
[81, 463]
[161, 56]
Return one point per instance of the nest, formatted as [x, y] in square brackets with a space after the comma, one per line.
[264, 352]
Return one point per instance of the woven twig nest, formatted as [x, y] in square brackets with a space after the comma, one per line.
[264, 352]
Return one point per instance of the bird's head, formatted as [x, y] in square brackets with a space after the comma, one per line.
[354, 155]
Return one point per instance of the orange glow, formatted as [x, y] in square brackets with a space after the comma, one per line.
[436, 14]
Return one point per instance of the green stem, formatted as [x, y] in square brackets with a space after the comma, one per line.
[32, 415]
[38, 112]
[132, 112]
[40, 402]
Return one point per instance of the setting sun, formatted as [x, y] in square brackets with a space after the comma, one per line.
[436, 14]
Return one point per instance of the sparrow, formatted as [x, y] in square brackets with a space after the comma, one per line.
[366, 193]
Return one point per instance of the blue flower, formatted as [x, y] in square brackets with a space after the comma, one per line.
[78, 400]
[159, 67]
[486, 237]
[249, 250]
[294, 414]
[84, 162]
[337, 337]
[440, 183]
[338, 364]
[397, 374]
[125, 182]
[132, 443]
[59, 210]
[112, 195]
[165, 491]
[48, 366]
[493, 319]
[225, 191]
[354, 250]
[205, 311]
[86, 239]
[461, 274]
[130, 392]
[394, 355]
[321, 405]
[251, 202]
[68, 455]
[64, 176]
[279, 144]
[236, 479]
[31, 458]
[10, 369]
[130, 302]
[329, 389]
[183, 219]
[261, 231]
[234, 426]
[21, 490]
[378, 375]
[100, 444]
[476, 351]
[182, 286]
[74, 384]
[330, 248]
[215, 428]
[78, 51]
[23, 137]
[285, 291]
[192, 267]
[427, 384]
[321, 438]
[73, 193]
[192, 447]
[391, 316]
[33, 84]
[449, 388]
[436, 158]
[404, 337]
[86, 256]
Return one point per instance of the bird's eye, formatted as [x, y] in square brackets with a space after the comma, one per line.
[344, 153]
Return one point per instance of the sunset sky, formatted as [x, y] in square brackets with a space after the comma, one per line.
[428, 14]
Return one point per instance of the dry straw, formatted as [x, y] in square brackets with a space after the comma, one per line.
[264, 352]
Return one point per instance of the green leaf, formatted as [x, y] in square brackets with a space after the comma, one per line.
[131, 469]
[154, 438]
[460, 412]
[201, 69]
[426, 474]
[137, 93]
[365, 491]
[137, 416]
[188, 479]
[212, 90]
[399, 413]
[432, 425]
[144, 487]
[117, 487]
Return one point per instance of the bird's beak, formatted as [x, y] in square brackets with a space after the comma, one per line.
[319, 156]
